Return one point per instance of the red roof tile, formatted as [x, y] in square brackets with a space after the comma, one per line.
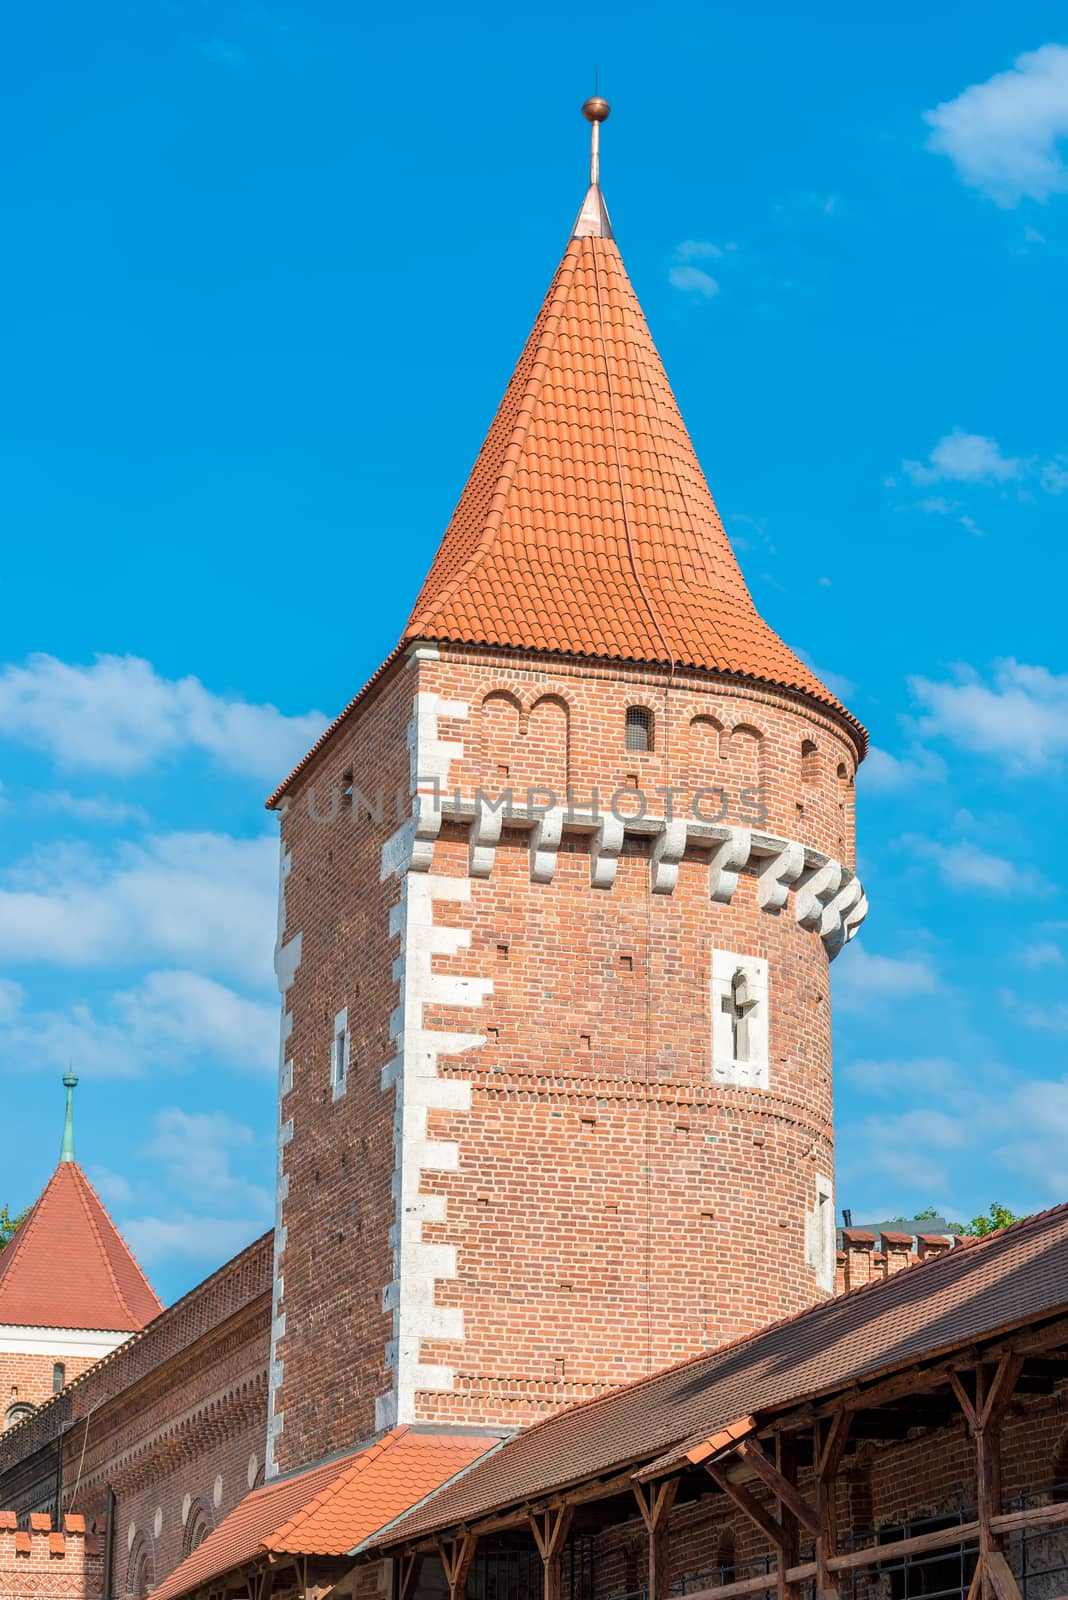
[1015, 1276]
[68, 1266]
[328, 1510]
[587, 527]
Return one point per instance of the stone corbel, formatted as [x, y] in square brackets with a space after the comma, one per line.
[833, 922]
[544, 843]
[777, 876]
[668, 850]
[852, 921]
[426, 825]
[815, 888]
[483, 837]
[728, 859]
[604, 852]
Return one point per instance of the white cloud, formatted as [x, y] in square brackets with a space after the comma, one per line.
[1054, 476]
[961, 457]
[120, 716]
[932, 1075]
[89, 807]
[1003, 135]
[886, 773]
[190, 1237]
[194, 1150]
[1021, 1129]
[112, 1187]
[169, 1019]
[692, 280]
[1021, 719]
[935, 505]
[965, 866]
[203, 900]
[697, 250]
[864, 982]
[1043, 954]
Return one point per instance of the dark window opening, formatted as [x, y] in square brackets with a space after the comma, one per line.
[639, 730]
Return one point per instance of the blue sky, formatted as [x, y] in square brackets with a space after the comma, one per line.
[266, 269]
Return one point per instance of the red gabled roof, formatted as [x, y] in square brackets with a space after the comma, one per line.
[587, 527]
[329, 1510]
[68, 1266]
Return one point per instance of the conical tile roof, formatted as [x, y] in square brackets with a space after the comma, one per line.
[68, 1266]
[586, 526]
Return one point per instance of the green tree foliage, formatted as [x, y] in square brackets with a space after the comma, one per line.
[989, 1222]
[8, 1224]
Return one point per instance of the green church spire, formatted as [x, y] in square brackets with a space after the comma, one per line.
[66, 1149]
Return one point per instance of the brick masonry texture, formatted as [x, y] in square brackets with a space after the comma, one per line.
[609, 1207]
[42, 1561]
[26, 1378]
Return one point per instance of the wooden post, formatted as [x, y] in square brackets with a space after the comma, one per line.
[786, 1462]
[829, 1443]
[550, 1529]
[655, 1507]
[406, 1570]
[994, 1388]
[456, 1557]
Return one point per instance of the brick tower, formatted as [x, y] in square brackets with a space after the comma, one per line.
[559, 890]
[70, 1289]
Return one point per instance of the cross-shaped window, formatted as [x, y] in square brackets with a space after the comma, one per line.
[738, 1006]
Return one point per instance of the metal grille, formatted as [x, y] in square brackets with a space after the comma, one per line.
[1038, 1557]
[501, 1573]
[639, 728]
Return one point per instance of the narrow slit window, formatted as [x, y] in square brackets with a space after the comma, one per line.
[639, 728]
[339, 1054]
[59, 1377]
[810, 762]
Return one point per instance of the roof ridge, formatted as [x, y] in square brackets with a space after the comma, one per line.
[122, 1240]
[17, 1244]
[516, 439]
[78, 1174]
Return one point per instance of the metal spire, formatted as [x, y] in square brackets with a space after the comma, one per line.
[593, 221]
[66, 1149]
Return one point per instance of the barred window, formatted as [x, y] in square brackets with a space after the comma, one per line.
[639, 729]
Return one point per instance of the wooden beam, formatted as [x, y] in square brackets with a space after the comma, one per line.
[656, 1522]
[964, 1533]
[456, 1557]
[407, 1569]
[999, 1576]
[769, 1526]
[829, 1442]
[917, 1380]
[1002, 1387]
[784, 1491]
[550, 1529]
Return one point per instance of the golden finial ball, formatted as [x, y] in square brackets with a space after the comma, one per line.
[596, 109]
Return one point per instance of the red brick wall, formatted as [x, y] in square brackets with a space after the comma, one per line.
[40, 1563]
[27, 1378]
[611, 1209]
